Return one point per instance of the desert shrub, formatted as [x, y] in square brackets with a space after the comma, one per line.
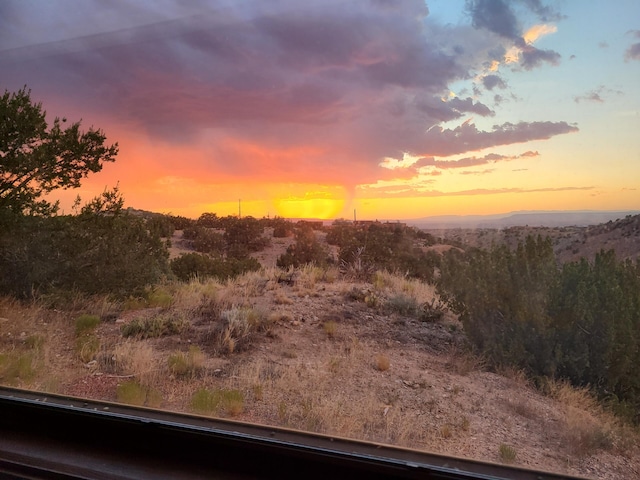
[507, 453]
[237, 326]
[402, 304]
[281, 227]
[159, 297]
[16, 367]
[580, 322]
[134, 393]
[243, 236]
[90, 253]
[87, 346]
[193, 265]
[169, 323]
[186, 364]
[306, 250]
[330, 328]
[382, 362]
[210, 402]
[85, 323]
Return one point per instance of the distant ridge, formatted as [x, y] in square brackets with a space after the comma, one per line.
[579, 218]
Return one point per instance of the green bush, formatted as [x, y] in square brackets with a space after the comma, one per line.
[209, 402]
[133, 393]
[89, 253]
[85, 323]
[191, 265]
[159, 326]
[307, 249]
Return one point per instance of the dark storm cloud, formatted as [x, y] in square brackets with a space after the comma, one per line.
[499, 17]
[533, 57]
[496, 16]
[492, 81]
[348, 84]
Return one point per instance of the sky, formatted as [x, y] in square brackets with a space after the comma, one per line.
[394, 109]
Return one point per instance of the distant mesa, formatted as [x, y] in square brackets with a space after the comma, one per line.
[577, 218]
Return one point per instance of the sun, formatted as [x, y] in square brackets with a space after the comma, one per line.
[310, 201]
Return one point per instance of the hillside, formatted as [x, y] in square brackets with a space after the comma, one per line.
[315, 350]
[569, 243]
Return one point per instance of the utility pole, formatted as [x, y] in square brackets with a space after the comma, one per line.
[354, 215]
[239, 209]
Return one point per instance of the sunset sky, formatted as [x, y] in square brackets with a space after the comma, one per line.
[396, 108]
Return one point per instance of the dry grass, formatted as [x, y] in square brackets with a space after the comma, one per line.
[186, 365]
[463, 362]
[137, 358]
[382, 362]
[330, 328]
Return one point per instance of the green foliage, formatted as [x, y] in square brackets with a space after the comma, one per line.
[507, 453]
[402, 304]
[281, 227]
[133, 393]
[307, 249]
[90, 253]
[580, 322]
[37, 159]
[243, 236]
[186, 364]
[190, 265]
[16, 367]
[209, 220]
[86, 323]
[169, 323]
[209, 402]
[364, 249]
[87, 346]
[208, 241]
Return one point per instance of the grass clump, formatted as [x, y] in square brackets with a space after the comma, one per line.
[402, 304]
[208, 402]
[507, 453]
[134, 393]
[86, 323]
[186, 364]
[158, 326]
[382, 362]
[330, 328]
[159, 298]
[238, 325]
[87, 347]
[16, 368]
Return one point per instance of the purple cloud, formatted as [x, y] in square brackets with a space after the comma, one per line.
[249, 82]
[492, 81]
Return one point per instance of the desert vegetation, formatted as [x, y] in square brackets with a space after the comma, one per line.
[370, 330]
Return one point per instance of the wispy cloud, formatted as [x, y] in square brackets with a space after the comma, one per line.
[633, 52]
[596, 95]
[407, 192]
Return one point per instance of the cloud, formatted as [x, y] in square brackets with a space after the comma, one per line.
[499, 17]
[407, 192]
[471, 161]
[633, 52]
[492, 81]
[269, 91]
[596, 95]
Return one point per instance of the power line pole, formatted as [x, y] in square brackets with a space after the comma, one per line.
[239, 209]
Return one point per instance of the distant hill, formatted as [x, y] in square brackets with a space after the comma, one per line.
[520, 219]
